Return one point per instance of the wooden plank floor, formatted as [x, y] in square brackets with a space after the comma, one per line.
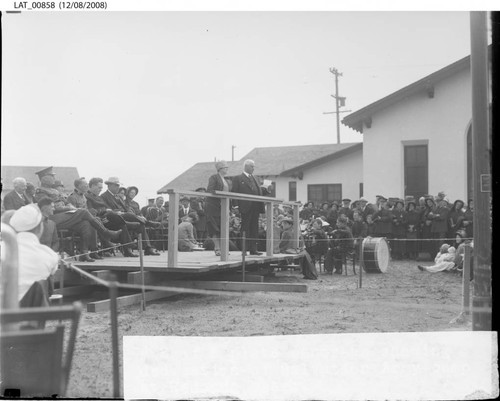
[188, 262]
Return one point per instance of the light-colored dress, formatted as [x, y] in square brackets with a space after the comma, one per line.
[443, 261]
[186, 237]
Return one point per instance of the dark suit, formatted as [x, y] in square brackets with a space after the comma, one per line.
[13, 201]
[117, 205]
[249, 210]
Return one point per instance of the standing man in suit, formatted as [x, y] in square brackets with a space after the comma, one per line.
[16, 198]
[246, 183]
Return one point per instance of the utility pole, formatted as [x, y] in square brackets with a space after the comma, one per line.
[232, 152]
[481, 148]
[339, 101]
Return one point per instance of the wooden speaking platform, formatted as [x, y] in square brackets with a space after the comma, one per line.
[199, 270]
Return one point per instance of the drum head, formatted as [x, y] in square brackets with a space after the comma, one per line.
[382, 252]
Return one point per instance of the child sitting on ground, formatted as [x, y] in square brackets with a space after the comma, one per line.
[445, 260]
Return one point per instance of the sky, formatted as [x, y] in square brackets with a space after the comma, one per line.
[146, 95]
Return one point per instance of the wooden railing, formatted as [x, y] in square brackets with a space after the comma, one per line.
[225, 197]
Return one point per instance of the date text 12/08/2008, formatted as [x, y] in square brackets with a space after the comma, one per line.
[62, 5]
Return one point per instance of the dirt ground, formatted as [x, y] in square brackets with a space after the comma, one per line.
[403, 299]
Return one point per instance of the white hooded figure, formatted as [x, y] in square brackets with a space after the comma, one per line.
[444, 260]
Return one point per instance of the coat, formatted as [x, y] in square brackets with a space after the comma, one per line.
[243, 185]
[212, 205]
[13, 201]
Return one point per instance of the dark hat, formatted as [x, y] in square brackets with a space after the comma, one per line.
[122, 189]
[58, 183]
[399, 201]
[184, 197]
[346, 200]
[44, 172]
[151, 199]
[131, 188]
[381, 198]
[412, 202]
[201, 189]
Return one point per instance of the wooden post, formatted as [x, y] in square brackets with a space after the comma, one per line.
[466, 280]
[141, 261]
[224, 229]
[113, 291]
[361, 263]
[481, 148]
[269, 229]
[243, 254]
[296, 226]
[173, 233]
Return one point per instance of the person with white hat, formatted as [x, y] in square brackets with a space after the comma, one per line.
[36, 261]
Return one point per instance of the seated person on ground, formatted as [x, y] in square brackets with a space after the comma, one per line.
[444, 261]
[187, 242]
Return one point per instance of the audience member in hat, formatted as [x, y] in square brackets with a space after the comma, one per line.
[383, 220]
[308, 211]
[413, 230]
[461, 241]
[200, 226]
[286, 244]
[185, 230]
[370, 226]
[341, 243]
[333, 215]
[216, 182]
[111, 219]
[399, 228]
[439, 226]
[36, 261]
[134, 207]
[185, 207]
[115, 203]
[316, 240]
[345, 209]
[16, 198]
[365, 208]
[427, 245]
[30, 192]
[49, 235]
[455, 218]
[469, 219]
[359, 231]
[144, 209]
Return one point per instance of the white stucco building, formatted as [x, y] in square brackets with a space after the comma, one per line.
[417, 140]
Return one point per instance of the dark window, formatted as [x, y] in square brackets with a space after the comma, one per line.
[292, 191]
[319, 193]
[470, 185]
[416, 171]
[360, 189]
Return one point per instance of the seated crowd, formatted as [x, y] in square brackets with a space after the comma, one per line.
[105, 219]
[101, 220]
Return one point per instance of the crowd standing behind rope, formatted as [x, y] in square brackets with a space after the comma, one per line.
[105, 219]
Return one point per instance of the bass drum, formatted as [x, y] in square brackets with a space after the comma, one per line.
[375, 253]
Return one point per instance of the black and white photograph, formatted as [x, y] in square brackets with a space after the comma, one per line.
[253, 201]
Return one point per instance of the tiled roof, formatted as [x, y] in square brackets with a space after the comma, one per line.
[270, 161]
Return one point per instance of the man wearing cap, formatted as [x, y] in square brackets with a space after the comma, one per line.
[364, 208]
[36, 261]
[114, 202]
[16, 198]
[144, 209]
[345, 209]
[246, 183]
